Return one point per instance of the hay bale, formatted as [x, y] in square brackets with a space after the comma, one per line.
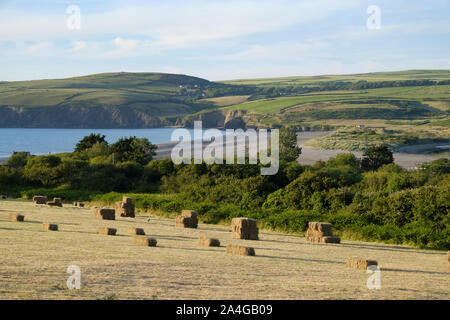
[185, 222]
[189, 214]
[95, 210]
[78, 204]
[16, 217]
[359, 263]
[40, 199]
[208, 242]
[58, 201]
[136, 231]
[240, 250]
[50, 226]
[105, 213]
[330, 239]
[107, 231]
[321, 232]
[325, 228]
[127, 200]
[244, 228]
[125, 208]
[144, 241]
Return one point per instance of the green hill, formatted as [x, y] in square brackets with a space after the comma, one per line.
[110, 100]
[143, 100]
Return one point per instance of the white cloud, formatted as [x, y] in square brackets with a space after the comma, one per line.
[172, 25]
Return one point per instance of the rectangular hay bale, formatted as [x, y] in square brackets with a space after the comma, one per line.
[107, 231]
[144, 241]
[240, 250]
[330, 239]
[16, 217]
[189, 214]
[184, 222]
[136, 231]
[359, 263]
[105, 214]
[50, 226]
[208, 242]
[124, 209]
[40, 199]
[244, 228]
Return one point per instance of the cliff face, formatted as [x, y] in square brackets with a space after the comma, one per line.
[79, 117]
[225, 119]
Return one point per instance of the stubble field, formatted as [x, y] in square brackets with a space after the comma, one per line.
[34, 262]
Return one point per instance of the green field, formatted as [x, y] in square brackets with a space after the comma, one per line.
[369, 77]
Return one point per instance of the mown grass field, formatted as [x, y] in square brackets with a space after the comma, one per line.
[402, 93]
[370, 77]
[34, 262]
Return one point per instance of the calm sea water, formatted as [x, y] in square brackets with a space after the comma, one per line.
[49, 141]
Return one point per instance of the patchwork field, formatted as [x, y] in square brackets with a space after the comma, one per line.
[33, 262]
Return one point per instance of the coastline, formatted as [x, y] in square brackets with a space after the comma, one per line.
[408, 158]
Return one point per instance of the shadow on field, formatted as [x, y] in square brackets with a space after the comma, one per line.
[386, 248]
[285, 241]
[191, 249]
[301, 259]
[414, 271]
[183, 238]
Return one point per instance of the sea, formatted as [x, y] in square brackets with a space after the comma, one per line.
[51, 141]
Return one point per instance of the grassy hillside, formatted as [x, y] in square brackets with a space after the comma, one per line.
[132, 100]
[142, 100]
[409, 107]
[438, 75]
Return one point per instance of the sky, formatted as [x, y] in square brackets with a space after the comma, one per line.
[221, 40]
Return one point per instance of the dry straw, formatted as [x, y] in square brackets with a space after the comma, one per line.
[136, 231]
[16, 217]
[57, 202]
[240, 250]
[107, 231]
[78, 204]
[104, 213]
[125, 208]
[321, 232]
[208, 242]
[359, 263]
[50, 226]
[244, 228]
[144, 241]
[187, 219]
[40, 199]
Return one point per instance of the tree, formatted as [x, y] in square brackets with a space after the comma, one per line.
[139, 150]
[89, 141]
[289, 149]
[375, 157]
[18, 159]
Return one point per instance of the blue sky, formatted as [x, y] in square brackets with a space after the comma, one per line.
[221, 40]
